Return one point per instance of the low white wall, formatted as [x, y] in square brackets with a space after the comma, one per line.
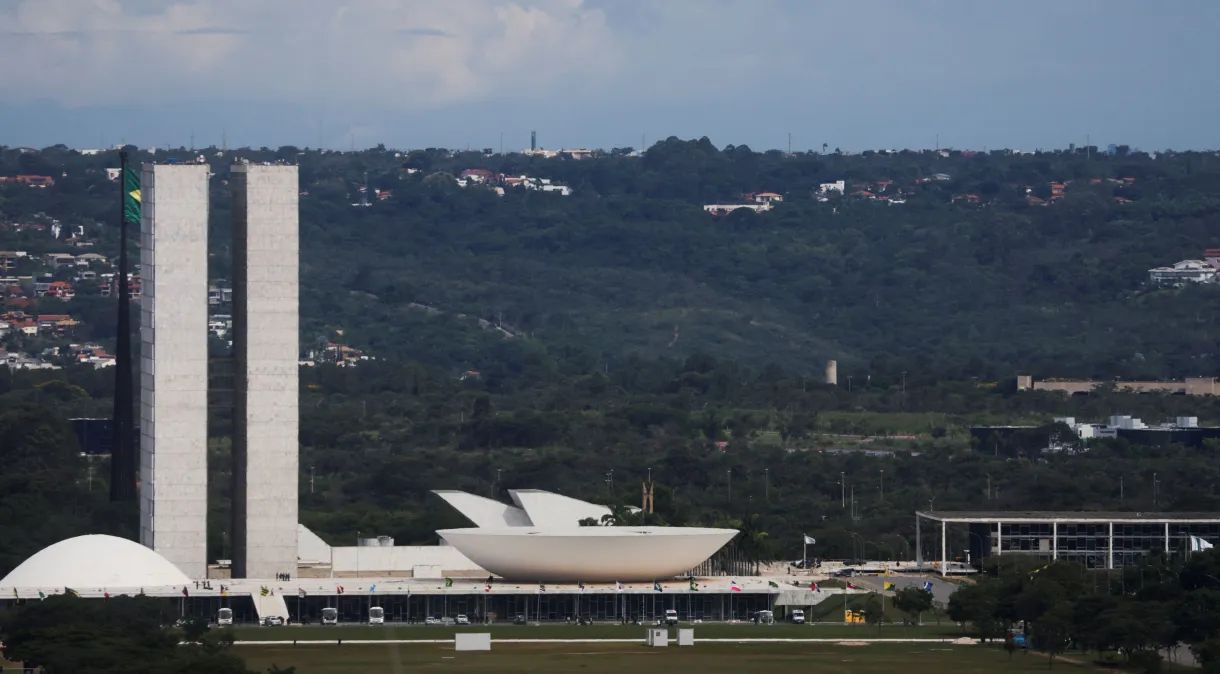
[402, 558]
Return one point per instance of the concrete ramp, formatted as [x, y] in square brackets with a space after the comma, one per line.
[272, 604]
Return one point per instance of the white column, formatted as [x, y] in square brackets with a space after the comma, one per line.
[1110, 549]
[918, 547]
[943, 543]
[999, 538]
[1054, 540]
[1167, 539]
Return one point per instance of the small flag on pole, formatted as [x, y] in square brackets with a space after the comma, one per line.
[224, 591]
[488, 588]
[339, 589]
[813, 586]
[74, 593]
[301, 592]
[656, 585]
[851, 586]
[372, 589]
[581, 586]
[773, 585]
[735, 587]
[888, 586]
[618, 586]
[541, 587]
[448, 582]
[15, 595]
[41, 595]
[810, 540]
[184, 592]
[694, 587]
[263, 591]
[105, 595]
[927, 587]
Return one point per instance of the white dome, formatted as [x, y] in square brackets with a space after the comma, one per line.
[95, 562]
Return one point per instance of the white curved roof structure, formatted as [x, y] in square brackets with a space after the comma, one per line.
[552, 511]
[95, 561]
[484, 512]
[594, 554]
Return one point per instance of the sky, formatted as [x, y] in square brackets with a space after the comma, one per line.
[856, 75]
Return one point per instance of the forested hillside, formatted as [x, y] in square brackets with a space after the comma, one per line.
[628, 334]
[938, 287]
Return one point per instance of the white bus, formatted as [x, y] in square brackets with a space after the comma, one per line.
[376, 615]
[330, 616]
[224, 617]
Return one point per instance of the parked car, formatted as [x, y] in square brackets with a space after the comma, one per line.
[461, 620]
[432, 621]
[273, 621]
[519, 619]
[798, 617]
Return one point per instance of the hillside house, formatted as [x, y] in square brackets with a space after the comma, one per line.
[61, 260]
[725, 209]
[1182, 273]
[9, 259]
[30, 180]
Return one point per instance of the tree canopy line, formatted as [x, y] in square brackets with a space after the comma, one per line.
[65, 634]
[1131, 614]
[376, 440]
[630, 263]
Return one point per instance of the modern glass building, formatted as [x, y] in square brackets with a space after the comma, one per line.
[1100, 540]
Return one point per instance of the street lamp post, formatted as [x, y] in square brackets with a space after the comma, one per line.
[767, 484]
[842, 490]
[883, 484]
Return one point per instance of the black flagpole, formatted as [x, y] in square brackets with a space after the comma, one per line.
[122, 459]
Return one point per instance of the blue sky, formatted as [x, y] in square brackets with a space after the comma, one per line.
[865, 74]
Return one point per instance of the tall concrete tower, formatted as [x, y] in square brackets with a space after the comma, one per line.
[266, 347]
[174, 364]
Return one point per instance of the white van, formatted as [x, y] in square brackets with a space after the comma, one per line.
[330, 616]
[671, 617]
[798, 617]
[224, 617]
[376, 615]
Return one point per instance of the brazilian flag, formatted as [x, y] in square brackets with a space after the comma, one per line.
[131, 195]
[448, 582]
[694, 587]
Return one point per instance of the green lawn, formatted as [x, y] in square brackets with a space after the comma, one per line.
[707, 631]
[619, 658]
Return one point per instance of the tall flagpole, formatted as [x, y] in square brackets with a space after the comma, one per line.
[122, 459]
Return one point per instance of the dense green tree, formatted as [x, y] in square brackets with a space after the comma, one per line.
[66, 634]
[913, 601]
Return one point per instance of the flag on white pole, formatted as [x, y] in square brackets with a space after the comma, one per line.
[809, 540]
[1197, 544]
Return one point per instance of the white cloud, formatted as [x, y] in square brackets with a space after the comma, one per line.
[400, 54]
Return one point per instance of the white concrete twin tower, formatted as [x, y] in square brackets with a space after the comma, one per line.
[174, 367]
